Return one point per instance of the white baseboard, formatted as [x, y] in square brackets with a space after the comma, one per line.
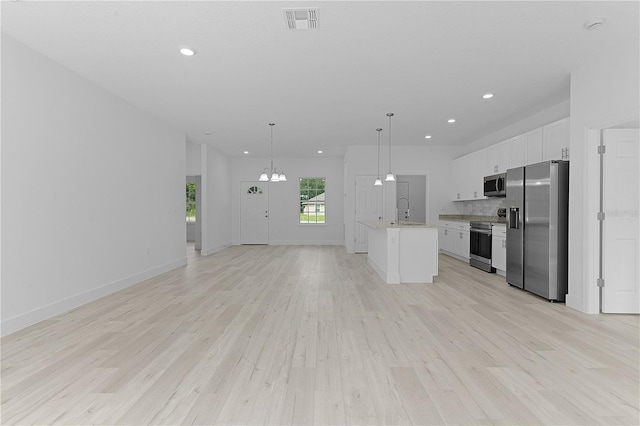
[19, 322]
[377, 268]
[212, 250]
[306, 243]
[574, 302]
[455, 256]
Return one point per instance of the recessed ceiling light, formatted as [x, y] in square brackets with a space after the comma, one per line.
[487, 96]
[320, 151]
[594, 24]
[451, 120]
[245, 152]
[428, 137]
[187, 51]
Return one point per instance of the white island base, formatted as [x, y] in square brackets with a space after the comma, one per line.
[403, 253]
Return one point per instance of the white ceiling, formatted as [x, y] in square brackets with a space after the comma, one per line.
[425, 61]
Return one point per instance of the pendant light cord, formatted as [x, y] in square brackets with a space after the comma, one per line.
[390, 115]
[271, 125]
[378, 130]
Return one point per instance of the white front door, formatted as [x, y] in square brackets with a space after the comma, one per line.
[368, 207]
[621, 250]
[254, 227]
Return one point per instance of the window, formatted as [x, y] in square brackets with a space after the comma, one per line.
[191, 202]
[312, 200]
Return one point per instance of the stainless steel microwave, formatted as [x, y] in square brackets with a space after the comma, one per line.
[495, 185]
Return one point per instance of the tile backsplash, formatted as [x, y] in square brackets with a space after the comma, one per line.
[487, 207]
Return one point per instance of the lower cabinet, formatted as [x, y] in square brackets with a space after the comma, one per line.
[499, 247]
[453, 239]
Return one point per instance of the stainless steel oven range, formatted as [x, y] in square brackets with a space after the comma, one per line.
[480, 246]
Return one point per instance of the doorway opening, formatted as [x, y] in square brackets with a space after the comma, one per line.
[412, 200]
[192, 213]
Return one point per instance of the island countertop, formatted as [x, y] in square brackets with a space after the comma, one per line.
[379, 224]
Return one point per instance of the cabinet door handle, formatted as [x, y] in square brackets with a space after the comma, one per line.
[445, 232]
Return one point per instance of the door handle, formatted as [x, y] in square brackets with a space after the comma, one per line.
[514, 218]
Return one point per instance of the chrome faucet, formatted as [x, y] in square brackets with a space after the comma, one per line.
[407, 213]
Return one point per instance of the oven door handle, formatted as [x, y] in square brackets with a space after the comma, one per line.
[481, 231]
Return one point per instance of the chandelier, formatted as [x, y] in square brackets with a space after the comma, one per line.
[275, 175]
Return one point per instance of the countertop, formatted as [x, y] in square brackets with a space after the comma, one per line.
[378, 224]
[472, 218]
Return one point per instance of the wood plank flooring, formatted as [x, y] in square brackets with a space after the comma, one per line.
[311, 335]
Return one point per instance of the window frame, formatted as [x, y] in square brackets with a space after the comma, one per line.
[316, 206]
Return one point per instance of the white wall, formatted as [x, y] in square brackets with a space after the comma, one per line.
[433, 162]
[194, 161]
[216, 201]
[92, 190]
[604, 92]
[284, 198]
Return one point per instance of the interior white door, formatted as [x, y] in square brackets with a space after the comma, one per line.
[368, 207]
[621, 292]
[254, 226]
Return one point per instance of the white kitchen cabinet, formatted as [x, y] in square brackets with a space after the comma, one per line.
[458, 176]
[517, 152]
[497, 158]
[467, 179]
[499, 247]
[556, 140]
[461, 243]
[453, 239]
[549, 142]
[477, 161]
[534, 146]
[445, 242]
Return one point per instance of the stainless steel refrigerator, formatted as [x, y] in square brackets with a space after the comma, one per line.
[537, 228]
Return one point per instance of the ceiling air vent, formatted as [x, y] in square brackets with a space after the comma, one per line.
[301, 19]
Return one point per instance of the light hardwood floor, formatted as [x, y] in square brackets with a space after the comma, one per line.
[311, 335]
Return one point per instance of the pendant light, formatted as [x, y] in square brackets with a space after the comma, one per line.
[378, 181]
[390, 177]
[275, 175]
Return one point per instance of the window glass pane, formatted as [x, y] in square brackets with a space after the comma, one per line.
[312, 200]
[191, 202]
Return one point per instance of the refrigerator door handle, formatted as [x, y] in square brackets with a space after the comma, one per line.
[514, 218]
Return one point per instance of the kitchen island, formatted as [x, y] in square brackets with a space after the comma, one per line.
[404, 252]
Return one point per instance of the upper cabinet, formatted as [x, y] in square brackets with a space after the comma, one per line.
[458, 167]
[476, 169]
[550, 142]
[534, 146]
[467, 176]
[517, 152]
[497, 157]
[556, 140]
[526, 149]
